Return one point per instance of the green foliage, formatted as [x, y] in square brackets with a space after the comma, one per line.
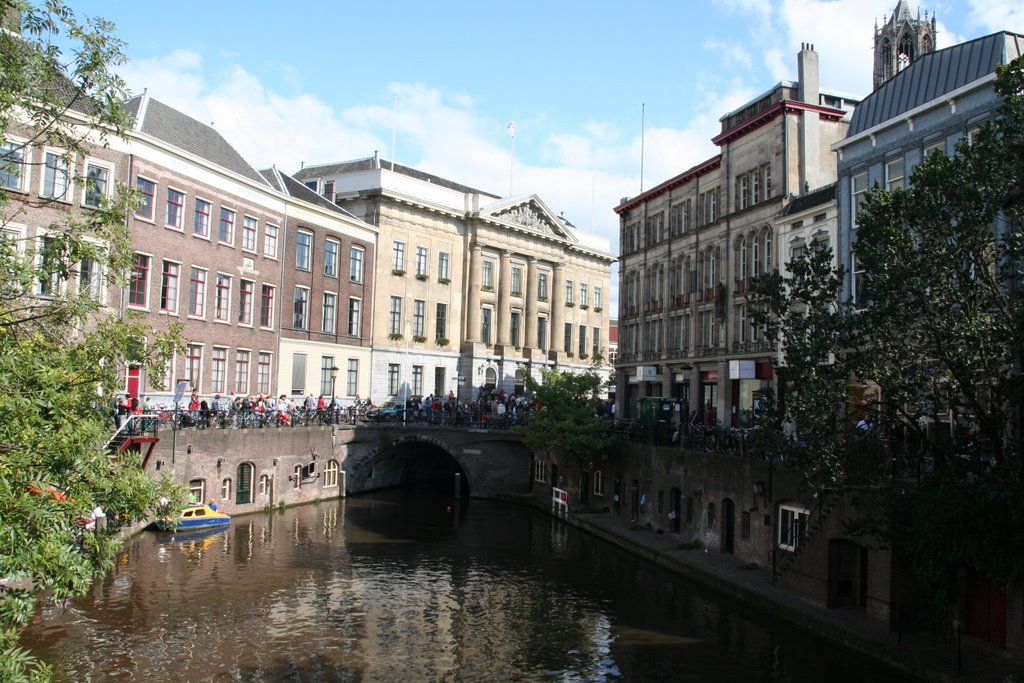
[62, 356]
[566, 419]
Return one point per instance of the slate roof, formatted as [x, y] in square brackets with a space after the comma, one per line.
[934, 75]
[284, 183]
[811, 199]
[179, 130]
[368, 164]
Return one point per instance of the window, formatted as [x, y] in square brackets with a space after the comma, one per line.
[175, 214]
[138, 286]
[326, 383]
[597, 297]
[352, 377]
[90, 280]
[583, 294]
[193, 366]
[568, 292]
[263, 373]
[395, 316]
[514, 327]
[242, 372]
[246, 293]
[330, 310]
[218, 370]
[858, 190]
[442, 264]
[567, 338]
[792, 526]
[894, 173]
[197, 293]
[439, 374]
[745, 524]
[303, 250]
[596, 338]
[97, 184]
[542, 286]
[398, 256]
[332, 248]
[861, 293]
[708, 206]
[419, 318]
[441, 322]
[300, 308]
[12, 166]
[270, 241]
[296, 476]
[197, 490]
[542, 333]
[517, 281]
[933, 147]
[56, 179]
[226, 231]
[417, 380]
[250, 232]
[582, 340]
[421, 260]
[354, 316]
[264, 484]
[201, 224]
[679, 218]
[485, 324]
[355, 264]
[540, 470]
[222, 298]
[598, 483]
[148, 190]
[267, 307]
[393, 378]
[331, 474]
[225, 489]
[488, 274]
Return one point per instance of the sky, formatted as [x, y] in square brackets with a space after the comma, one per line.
[608, 98]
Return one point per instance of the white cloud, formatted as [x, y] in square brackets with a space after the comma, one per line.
[997, 15]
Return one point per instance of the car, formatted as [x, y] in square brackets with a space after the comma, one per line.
[386, 412]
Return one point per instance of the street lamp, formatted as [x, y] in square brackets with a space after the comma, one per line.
[405, 400]
[334, 382]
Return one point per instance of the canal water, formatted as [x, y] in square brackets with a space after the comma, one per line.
[407, 585]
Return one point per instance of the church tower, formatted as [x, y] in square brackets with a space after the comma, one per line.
[900, 41]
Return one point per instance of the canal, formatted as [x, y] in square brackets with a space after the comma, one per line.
[406, 585]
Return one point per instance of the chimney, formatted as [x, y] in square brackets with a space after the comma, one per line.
[807, 72]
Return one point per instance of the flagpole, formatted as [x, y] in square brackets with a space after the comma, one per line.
[643, 112]
[511, 128]
[394, 128]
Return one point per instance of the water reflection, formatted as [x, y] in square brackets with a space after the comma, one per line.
[404, 586]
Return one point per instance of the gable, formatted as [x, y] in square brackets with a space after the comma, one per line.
[532, 215]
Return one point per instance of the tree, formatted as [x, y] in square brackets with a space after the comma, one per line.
[565, 417]
[941, 337]
[61, 355]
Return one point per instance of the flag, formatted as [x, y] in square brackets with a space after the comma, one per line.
[511, 128]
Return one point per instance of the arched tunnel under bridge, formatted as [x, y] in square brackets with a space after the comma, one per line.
[484, 466]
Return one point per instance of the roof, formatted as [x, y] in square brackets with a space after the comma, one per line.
[934, 75]
[373, 163]
[169, 125]
[817, 197]
[284, 183]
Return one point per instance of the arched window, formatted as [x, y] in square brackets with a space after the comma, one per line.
[755, 256]
[766, 250]
[331, 474]
[491, 379]
[243, 489]
[741, 258]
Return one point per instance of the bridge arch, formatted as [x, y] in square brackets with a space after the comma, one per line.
[405, 459]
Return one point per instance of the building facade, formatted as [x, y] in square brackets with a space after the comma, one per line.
[691, 247]
[474, 292]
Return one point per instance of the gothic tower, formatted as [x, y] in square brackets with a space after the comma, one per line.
[900, 41]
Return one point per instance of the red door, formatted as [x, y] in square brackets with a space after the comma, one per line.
[133, 383]
[985, 609]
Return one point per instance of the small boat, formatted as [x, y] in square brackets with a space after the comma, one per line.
[194, 517]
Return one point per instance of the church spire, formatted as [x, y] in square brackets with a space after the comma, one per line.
[901, 40]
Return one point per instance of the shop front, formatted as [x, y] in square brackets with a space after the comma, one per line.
[751, 390]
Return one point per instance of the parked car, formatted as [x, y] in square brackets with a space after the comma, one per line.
[386, 412]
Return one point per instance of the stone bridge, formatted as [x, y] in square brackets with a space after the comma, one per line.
[489, 462]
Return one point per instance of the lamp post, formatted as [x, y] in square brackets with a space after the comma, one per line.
[405, 392]
[334, 382]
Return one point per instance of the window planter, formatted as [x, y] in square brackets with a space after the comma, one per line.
[543, 299]
[515, 293]
[422, 277]
[584, 356]
[486, 288]
[441, 341]
[443, 280]
[395, 336]
[569, 304]
[419, 338]
[398, 271]
[597, 309]
[570, 354]
[584, 307]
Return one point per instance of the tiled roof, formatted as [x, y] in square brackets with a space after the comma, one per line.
[171, 126]
[934, 75]
[370, 163]
[283, 182]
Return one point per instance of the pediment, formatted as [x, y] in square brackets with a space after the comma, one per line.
[531, 214]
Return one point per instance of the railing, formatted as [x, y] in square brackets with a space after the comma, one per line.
[941, 648]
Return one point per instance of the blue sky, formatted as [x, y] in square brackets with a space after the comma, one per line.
[288, 84]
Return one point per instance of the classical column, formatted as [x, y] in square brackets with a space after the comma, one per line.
[557, 300]
[530, 323]
[473, 295]
[504, 311]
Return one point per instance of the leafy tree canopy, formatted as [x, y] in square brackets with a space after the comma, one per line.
[565, 419]
[62, 356]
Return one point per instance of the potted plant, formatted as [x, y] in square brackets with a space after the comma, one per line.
[584, 307]
[395, 336]
[570, 354]
[597, 309]
[441, 341]
[443, 280]
[398, 271]
[422, 277]
[419, 338]
[569, 304]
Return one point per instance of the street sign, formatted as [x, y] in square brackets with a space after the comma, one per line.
[179, 391]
